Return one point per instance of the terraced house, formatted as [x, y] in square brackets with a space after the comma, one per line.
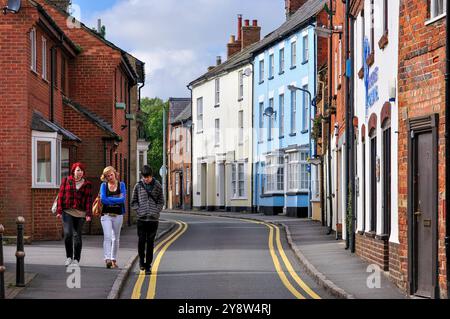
[72, 96]
[286, 65]
[222, 127]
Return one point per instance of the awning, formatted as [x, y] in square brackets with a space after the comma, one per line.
[41, 124]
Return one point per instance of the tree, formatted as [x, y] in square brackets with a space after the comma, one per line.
[153, 124]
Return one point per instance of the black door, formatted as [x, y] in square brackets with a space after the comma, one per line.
[387, 181]
[181, 191]
[423, 214]
[373, 184]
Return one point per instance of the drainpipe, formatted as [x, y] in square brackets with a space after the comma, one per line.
[128, 168]
[52, 82]
[352, 135]
[330, 100]
[348, 125]
[191, 178]
[447, 151]
[253, 171]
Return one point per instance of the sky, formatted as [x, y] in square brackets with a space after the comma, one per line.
[177, 39]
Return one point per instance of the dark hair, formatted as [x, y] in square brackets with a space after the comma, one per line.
[75, 166]
[147, 171]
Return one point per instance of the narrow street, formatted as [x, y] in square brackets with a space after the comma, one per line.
[221, 258]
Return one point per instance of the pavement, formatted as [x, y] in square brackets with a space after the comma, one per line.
[48, 278]
[342, 274]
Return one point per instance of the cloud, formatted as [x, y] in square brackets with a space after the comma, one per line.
[179, 39]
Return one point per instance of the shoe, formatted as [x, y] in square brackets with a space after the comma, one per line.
[68, 262]
[108, 264]
[148, 272]
[114, 265]
[76, 262]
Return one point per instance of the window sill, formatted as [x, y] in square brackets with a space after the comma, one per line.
[370, 59]
[45, 81]
[261, 82]
[269, 195]
[281, 73]
[305, 62]
[45, 187]
[217, 105]
[261, 142]
[241, 144]
[281, 137]
[200, 132]
[370, 234]
[296, 193]
[293, 134]
[435, 19]
[238, 199]
[271, 78]
[240, 99]
[304, 131]
[34, 72]
[293, 67]
[270, 140]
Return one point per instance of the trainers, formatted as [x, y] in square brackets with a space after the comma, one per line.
[148, 271]
[68, 262]
[76, 262]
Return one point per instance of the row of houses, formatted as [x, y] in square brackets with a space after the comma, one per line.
[67, 95]
[339, 116]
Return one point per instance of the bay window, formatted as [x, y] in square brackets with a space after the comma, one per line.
[46, 157]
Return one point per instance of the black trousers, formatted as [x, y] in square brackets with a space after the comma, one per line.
[73, 230]
[146, 233]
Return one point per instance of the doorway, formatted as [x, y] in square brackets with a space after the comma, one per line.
[423, 210]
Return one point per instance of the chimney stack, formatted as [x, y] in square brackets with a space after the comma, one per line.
[250, 33]
[239, 27]
[292, 7]
[61, 4]
[233, 47]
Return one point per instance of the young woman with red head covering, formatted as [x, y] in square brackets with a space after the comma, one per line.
[74, 207]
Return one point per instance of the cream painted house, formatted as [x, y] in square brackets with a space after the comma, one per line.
[222, 136]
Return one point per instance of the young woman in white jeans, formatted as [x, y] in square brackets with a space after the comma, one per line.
[113, 196]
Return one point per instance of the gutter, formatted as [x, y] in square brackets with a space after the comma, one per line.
[447, 150]
[191, 178]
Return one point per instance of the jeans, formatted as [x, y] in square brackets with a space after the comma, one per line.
[146, 233]
[73, 230]
[111, 231]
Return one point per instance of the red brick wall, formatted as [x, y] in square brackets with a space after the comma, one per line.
[45, 225]
[373, 250]
[395, 272]
[421, 92]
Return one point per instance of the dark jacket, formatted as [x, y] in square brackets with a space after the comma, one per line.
[148, 205]
[71, 198]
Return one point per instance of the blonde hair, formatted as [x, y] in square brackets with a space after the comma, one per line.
[107, 171]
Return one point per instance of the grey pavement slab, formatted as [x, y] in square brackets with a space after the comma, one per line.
[328, 256]
[46, 260]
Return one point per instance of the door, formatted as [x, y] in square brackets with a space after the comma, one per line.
[181, 191]
[423, 214]
[387, 182]
[203, 185]
[221, 185]
[373, 185]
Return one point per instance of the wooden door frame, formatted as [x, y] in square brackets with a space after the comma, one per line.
[420, 125]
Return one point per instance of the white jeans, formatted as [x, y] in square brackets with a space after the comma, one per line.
[111, 231]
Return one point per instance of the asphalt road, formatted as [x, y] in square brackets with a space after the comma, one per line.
[222, 258]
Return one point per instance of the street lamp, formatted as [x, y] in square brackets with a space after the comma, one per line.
[294, 88]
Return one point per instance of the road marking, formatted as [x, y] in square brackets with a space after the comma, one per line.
[152, 285]
[287, 263]
[141, 277]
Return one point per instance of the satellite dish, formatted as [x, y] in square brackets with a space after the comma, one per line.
[247, 72]
[269, 111]
[12, 6]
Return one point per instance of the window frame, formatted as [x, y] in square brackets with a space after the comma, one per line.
[44, 59]
[293, 54]
[261, 71]
[33, 48]
[241, 85]
[305, 110]
[281, 61]
[281, 104]
[305, 48]
[55, 159]
[271, 66]
[217, 132]
[295, 165]
[261, 121]
[436, 15]
[271, 120]
[217, 92]
[293, 112]
[199, 114]
[241, 127]
[274, 168]
[236, 180]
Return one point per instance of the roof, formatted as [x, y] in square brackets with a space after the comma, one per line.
[94, 118]
[235, 61]
[297, 20]
[185, 115]
[41, 124]
[177, 106]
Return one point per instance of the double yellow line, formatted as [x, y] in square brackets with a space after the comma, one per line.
[290, 270]
[161, 247]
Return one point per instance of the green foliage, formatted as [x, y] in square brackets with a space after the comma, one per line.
[153, 123]
[317, 128]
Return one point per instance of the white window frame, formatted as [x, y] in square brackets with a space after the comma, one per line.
[271, 120]
[241, 85]
[261, 121]
[200, 114]
[217, 92]
[271, 66]
[305, 48]
[55, 142]
[295, 166]
[44, 59]
[261, 71]
[281, 60]
[241, 127]
[177, 184]
[274, 162]
[305, 115]
[433, 8]
[293, 112]
[293, 54]
[217, 132]
[33, 61]
[282, 114]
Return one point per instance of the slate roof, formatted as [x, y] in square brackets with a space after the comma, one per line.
[94, 118]
[41, 124]
[177, 106]
[185, 115]
[298, 20]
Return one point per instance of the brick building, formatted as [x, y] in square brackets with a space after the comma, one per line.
[180, 156]
[421, 153]
[70, 100]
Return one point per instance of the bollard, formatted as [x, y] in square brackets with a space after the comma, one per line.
[2, 267]
[20, 254]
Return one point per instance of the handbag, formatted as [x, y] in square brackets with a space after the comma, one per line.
[55, 206]
[97, 207]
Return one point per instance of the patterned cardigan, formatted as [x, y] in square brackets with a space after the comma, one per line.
[71, 198]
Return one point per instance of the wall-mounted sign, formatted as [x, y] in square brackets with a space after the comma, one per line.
[370, 79]
[378, 169]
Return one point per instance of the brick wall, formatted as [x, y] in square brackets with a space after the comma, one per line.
[373, 250]
[421, 92]
[45, 225]
[395, 272]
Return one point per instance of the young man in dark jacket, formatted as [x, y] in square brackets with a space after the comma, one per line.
[148, 201]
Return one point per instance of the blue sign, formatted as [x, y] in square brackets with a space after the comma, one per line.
[370, 79]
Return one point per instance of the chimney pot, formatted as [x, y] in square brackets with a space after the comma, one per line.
[232, 39]
[239, 27]
[255, 23]
[219, 60]
[247, 22]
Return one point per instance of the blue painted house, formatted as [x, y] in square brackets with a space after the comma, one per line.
[285, 68]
